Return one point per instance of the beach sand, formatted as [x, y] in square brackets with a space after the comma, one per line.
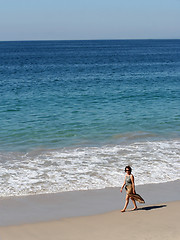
[93, 215]
[152, 222]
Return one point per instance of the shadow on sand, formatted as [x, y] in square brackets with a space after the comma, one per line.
[152, 207]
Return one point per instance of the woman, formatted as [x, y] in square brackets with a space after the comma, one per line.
[130, 190]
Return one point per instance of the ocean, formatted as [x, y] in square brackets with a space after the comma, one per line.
[73, 114]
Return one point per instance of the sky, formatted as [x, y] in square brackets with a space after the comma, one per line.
[89, 19]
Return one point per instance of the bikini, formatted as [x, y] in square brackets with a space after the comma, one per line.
[128, 181]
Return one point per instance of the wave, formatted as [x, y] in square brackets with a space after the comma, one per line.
[84, 168]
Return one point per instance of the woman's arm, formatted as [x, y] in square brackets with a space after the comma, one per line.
[133, 184]
[123, 185]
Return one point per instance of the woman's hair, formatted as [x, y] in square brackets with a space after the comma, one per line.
[129, 168]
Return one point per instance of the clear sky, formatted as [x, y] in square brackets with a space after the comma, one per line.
[89, 19]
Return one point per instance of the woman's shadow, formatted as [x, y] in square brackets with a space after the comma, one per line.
[152, 207]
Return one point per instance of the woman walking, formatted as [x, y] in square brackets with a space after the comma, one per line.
[130, 190]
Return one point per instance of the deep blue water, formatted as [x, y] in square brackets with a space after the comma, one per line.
[73, 113]
[59, 93]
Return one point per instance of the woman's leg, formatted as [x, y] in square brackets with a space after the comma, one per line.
[126, 203]
[134, 202]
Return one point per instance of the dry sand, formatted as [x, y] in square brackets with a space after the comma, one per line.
[152, 222]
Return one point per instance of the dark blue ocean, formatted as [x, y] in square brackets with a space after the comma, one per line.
[74, 113]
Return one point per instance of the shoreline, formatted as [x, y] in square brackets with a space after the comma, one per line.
[56, 206]
[88, 167]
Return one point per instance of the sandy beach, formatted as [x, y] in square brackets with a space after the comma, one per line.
[152, 222]
[93, 215]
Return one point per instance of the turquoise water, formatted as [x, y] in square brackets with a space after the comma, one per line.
[65, 102]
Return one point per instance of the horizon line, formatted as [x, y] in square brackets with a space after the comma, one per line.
[95, 39]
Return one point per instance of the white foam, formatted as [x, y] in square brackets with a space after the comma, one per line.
[88, 167]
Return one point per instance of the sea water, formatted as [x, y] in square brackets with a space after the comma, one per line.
[73, 114]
